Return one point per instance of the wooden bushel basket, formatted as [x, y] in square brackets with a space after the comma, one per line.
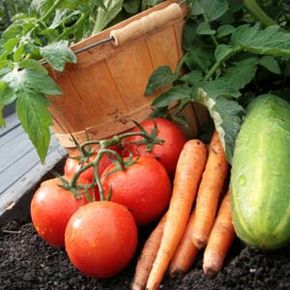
[104, 91]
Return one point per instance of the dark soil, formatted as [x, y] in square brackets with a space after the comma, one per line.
[26, 262]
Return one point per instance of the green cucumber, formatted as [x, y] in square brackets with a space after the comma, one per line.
[260, 176]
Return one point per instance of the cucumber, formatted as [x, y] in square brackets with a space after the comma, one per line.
[260, 175]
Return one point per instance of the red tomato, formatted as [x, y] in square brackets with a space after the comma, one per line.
[101, 239]
[51, 209]
[143, 187]
[166, 153]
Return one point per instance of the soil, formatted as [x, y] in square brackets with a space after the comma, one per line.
[28, 263]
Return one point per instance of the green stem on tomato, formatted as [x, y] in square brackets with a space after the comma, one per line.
[258, 12]
[115, 140]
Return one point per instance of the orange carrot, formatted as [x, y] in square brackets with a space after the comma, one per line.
[186, 252]
[220, 240]
[188, 173]
[147, 257]
[210, 188]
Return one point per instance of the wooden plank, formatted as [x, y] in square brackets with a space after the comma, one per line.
[23, 162]
[12, 122]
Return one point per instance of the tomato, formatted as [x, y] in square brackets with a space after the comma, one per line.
[166, 153]
[143, 187]
[73, 165]
[101, 239]
[51, 209]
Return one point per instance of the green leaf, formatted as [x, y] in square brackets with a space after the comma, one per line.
[193, 78]
[32, 111]
[225, 30]
[240, 73]
[33, 64]
[268, 41]
[12, 31]
[19, 53]
[113, 8]
[204, 29]
[31, 80]
[227, 116]
[177, 93]
[10, 44]
[223, 51]
[161, 77]
[271, 64]
[211, 9]
[7, 95]
[220, 87]
[2, 121]
[57, 54]
[198, 58]
[132, 6]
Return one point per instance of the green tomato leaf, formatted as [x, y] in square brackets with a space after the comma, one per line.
[10, 44]
[227, 116]
[225, 30]
[198, 58]
[177, 93]
[211, 9]
[161, 77]
[13, 31]
[271, 64]
[268, 41]
[204, 29]
[2, 121]
[7, 95]
[193, 78]
[223, 51]
[57, 54]
[220, 87]
[33, 64]
[240, 73]
[30, 79]
[113, 8]
[32, 110]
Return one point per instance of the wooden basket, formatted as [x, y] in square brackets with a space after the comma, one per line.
[104, 91]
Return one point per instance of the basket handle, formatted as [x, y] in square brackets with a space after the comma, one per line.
[146, 24]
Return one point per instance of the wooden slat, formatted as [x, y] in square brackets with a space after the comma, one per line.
[163, 48]
[131, 70]
[21, 159]
[11, 122]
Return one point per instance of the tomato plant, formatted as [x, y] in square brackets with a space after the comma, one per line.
[168, 152]
[101, 239]
[51, 208]
[144, 187]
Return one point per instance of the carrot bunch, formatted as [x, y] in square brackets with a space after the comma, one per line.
[195, 218]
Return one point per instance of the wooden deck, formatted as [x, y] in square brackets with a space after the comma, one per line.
[20, 167]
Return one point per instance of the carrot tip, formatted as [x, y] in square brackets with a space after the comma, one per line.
[209, 271]
[199, 243]
[176, 272]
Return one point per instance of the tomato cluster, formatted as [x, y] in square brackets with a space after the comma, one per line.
[101, 237]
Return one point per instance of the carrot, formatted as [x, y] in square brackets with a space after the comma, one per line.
[210, 188]
[220, 240]
[188, 173]
[147, 257]
[186, 252]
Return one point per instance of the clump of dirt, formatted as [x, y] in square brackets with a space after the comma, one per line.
[27, 262]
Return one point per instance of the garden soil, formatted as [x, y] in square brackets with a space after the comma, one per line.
[28, 263]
